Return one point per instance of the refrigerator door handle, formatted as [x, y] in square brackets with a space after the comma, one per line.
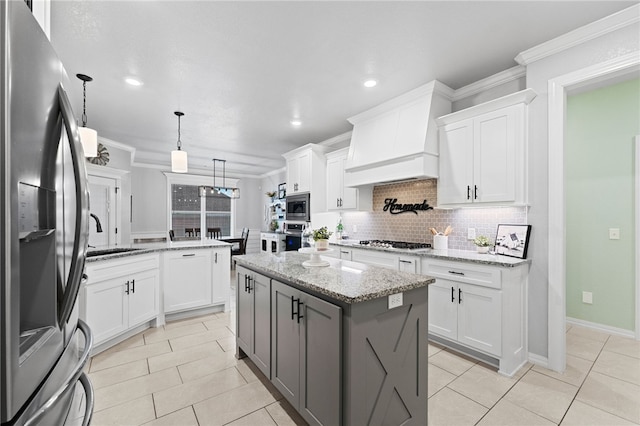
[71, 379]
[81, 234]
[88, 407]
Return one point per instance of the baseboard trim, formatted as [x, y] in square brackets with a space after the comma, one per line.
[601, 327]
[540, 360]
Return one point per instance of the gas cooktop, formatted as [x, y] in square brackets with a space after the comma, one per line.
[395, 244]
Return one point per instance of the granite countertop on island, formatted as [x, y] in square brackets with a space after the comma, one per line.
[349, 282]
[95, 254]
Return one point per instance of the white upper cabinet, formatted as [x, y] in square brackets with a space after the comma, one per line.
[339, 196]
[483, 153]
[298, 177]
[306, 172]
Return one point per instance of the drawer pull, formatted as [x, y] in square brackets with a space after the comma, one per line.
[344, 252]
[405, 261]
[188, 255]
[456, 273]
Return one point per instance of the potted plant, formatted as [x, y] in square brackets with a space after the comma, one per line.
[482, 244]
[321, 238]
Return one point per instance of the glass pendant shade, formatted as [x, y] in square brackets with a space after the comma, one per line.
[178, 156]
[179, 161]
[89, 139]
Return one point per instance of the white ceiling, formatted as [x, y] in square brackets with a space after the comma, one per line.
[240, 71]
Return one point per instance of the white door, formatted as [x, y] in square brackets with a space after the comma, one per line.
[103, 204]
[443, 308]
[495, 156]
[455, 182]
[480, 318]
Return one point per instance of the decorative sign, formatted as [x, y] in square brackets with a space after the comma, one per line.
[391, 205]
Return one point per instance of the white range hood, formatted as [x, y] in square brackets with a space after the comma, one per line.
[398, 140]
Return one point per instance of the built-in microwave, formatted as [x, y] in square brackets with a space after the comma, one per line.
[298, 208]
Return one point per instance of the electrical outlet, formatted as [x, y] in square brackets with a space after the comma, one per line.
[614, 233]
[587, 297]
[355, 228]
[471, 233]
[395, 300]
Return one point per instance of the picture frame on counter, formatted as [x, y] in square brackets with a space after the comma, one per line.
[282, 190]
[512, 240]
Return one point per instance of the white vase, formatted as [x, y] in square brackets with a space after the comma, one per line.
[483, 250]
[322, 244]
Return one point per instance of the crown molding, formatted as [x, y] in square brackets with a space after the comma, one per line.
[492, 81]
[608, 24]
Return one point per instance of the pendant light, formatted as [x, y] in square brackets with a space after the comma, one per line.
[233, 193]
[88, 136]
[178, 156]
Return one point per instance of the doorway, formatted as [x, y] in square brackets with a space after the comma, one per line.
[602, 74]
[103, 203]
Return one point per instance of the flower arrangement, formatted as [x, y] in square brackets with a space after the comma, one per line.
[321, 234]
[482, 241]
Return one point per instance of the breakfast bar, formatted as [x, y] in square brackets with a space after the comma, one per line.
[345, 343]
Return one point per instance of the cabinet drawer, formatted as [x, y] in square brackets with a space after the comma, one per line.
[118, 267]
[469, 273]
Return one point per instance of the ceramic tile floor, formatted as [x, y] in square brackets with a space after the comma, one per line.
[185, 373]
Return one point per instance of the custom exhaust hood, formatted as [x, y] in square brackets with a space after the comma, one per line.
[398, 140]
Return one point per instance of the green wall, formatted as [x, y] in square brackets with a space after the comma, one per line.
[600, 194]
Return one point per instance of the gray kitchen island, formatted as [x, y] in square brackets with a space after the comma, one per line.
[346, 343]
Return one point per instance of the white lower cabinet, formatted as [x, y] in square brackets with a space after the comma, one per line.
[120, 294]
[480, 307]
[187, 279]
[466, 313]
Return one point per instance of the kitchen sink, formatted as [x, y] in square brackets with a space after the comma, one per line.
[105, 252]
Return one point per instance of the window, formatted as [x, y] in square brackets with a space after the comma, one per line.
[194, 207]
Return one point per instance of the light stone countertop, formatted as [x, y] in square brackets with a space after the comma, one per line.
[349, 282]
[455, 255]
[145, 248]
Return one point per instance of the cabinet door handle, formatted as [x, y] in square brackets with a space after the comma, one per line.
[133, 286]
[293, 302]
[249, 286]
[216, 258]
[298, 313]
[468, 192]
[459, 296]
[246, 285]
[337, 202]
[188, 255]
[126, 291]
[456, 273]
[453, 297]
[475, 192]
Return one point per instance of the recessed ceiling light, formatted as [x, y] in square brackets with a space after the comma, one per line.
[296, 122]
[133, 81]
[370, 83]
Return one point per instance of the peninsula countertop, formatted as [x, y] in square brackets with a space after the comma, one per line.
[95, 254]
[349, 282]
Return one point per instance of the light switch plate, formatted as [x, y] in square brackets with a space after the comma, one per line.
[471, 233]
[395, 300]
[587, 297]
[614, 233]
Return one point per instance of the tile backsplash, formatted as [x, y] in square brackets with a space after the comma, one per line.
[409, 226]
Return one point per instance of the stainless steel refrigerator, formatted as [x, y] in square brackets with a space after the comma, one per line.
[43, 233]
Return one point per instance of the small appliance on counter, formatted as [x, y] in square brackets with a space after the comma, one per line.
[272, 242]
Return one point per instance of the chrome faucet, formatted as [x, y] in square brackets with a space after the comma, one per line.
[98, 224]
